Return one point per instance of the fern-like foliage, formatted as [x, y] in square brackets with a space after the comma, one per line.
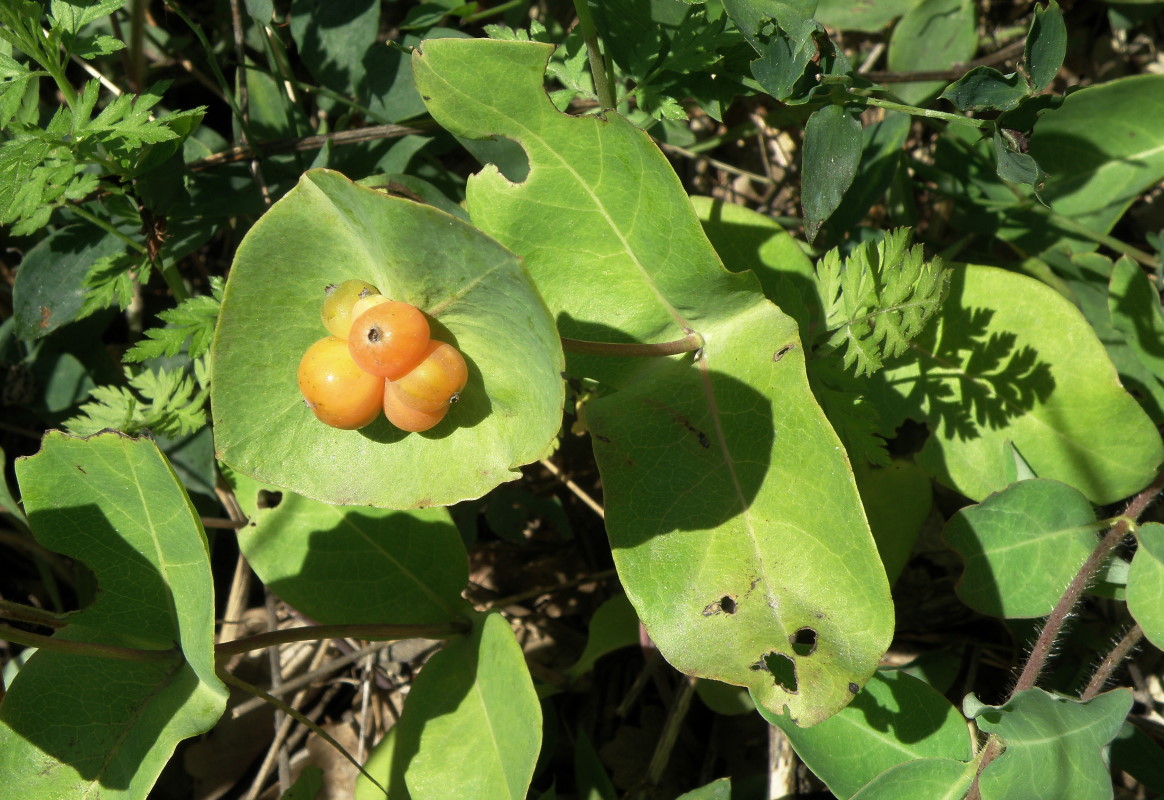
[878, 299]
[44, 166]
[192, 320]
[166, 402]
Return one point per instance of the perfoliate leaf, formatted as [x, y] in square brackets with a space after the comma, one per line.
[1061, 741]
[75, 725]
[878, 299]
[697, 454]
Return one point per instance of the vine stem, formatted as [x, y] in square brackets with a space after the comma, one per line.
[1118, 653]
[594, 54]
[58, 645]
[1054, 624]
[982, 124]
[689, 343]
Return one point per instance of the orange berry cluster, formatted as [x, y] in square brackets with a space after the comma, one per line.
[378, 356]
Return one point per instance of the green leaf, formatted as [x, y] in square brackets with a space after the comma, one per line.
[328, 230]
[723, 698]
[1056, 748]
[932, 35]
[1089, 277]
[471, 726]
[50, 285]
[1101, 149]
[1138, 754]
[1013, 166]
[986, 88]
[113, 503]
[882, 145]
[340, 564]
[894, 719]
[1021, 546]
[193, 319]
[69, 16]
[165, 402]
[921, 779]
[845, 15]
[897, 499]
[1146, 582]
[716, 790]
[590, 778]
[747, 240]
[832, 150]
[1135, 312]
[878, 299]
[1009, 359]
[1046, 45]
[785, 36]
[334, 39]
[614, 625]
[696, 481]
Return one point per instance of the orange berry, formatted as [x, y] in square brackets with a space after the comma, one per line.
[433, 383]
[405, 418]
[339, 305]
[368, 301]
[389, 339]
[336, 390]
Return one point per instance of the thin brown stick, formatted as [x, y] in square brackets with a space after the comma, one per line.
[953, 73]
[299, 681]
[244, 152]
[578, 491]
[538, 592]
[36, 616]
[309, 633]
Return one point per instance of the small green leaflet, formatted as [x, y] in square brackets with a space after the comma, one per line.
[878, 299]
[193, 319]
[166, 402]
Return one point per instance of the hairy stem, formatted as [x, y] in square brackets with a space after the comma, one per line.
[689, 343]
[1054, 624]
[1113, 659]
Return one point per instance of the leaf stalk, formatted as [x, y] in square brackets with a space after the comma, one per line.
[689, 343]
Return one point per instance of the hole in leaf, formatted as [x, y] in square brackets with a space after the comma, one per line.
[783, 351]
[782, 668]
[269, 499]
[803, 642]
[724, 605]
